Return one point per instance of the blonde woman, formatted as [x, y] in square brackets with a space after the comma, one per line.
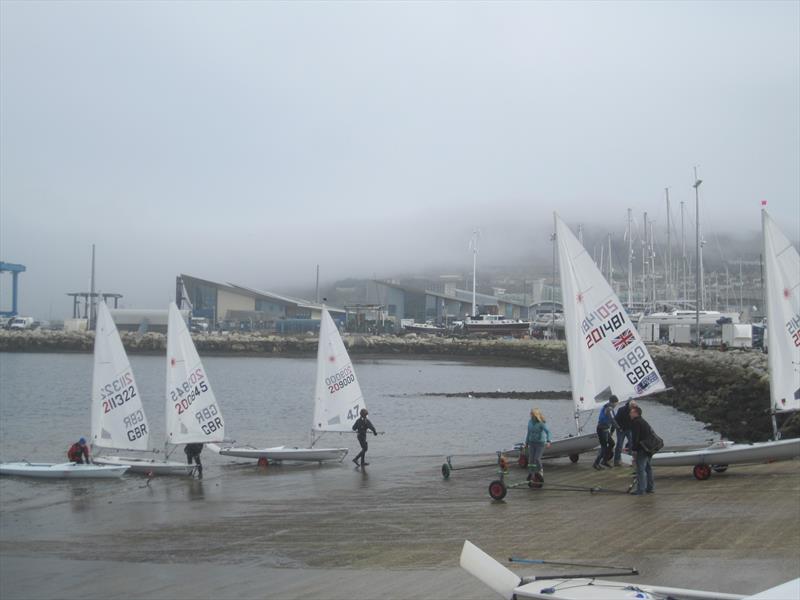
[538, 438]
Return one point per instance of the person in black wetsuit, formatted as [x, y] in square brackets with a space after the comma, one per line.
[361, 425]
[193, 453]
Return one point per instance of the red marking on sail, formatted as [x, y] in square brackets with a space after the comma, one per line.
[332, 358]
[172, 361]
[763, 203]
[786, 293]
[579, 298]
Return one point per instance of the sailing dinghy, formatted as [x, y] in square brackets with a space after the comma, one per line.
[507, 584]
[605, 352]
[118, 418]
[337, 402]
[782, 287]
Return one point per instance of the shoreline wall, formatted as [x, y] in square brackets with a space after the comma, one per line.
[727, 390]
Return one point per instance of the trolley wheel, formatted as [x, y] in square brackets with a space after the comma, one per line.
[720, 468]
[263, 461]
[702, 472]
[574, 457]
[497, 490]
[445, 470]
[535, 481]
[522, 461]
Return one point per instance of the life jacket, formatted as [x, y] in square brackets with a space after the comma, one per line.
[604, 420]
[75, 452]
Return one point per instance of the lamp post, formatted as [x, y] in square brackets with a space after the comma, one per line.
[698, 266]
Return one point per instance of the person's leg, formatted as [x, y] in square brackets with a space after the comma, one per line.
[360, 456]
[602, 435]
[650, 487]
[618, 448]
[641, 473]
[364, 447]
[538, 450]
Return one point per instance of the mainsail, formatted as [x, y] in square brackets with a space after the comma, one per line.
[338, 398]
[782, 271]
[118, 419]
[193, 415]
[606, 353]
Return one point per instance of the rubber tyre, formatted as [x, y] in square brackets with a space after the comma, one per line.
[574, 458]
[522, 461]
[445, 470]
[497, 490]
[720, 468]
[536, 481]
[701, 472]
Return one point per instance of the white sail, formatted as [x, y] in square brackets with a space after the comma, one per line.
[782, 271]
[193, 415]
[338, 398]
[118, 419]
[606, 353]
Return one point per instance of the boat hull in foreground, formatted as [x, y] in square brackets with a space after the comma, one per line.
[508, 585]
[147, 466]
[62, 470]
[572, 446]
[281, 453]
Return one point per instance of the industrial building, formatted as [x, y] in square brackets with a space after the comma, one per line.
[231, 306]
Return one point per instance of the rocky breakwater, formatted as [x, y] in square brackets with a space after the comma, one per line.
[727, 390]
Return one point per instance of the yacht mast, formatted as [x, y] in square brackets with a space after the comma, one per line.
[630, 262]
[474, 246]
[669, 250]
[698, 257]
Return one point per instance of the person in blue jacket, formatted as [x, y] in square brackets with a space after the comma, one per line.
[606, 425]
[538, 437]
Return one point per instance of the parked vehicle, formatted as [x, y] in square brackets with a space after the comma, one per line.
[21, 323]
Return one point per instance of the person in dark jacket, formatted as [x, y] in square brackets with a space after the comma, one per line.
[605, 426]
[641, 430]
[623, 418]
[78, 451]
[192, 452]
[361, 426]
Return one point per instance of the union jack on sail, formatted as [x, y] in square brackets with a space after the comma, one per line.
[623, 339]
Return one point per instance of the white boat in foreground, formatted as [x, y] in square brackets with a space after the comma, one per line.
[67, 470]
[337, 402]
[509, 585]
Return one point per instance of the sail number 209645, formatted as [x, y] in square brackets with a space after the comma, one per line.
[185, 394]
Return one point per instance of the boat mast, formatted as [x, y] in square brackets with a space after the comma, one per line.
[653, 264]
[668, 282]
[92, 317]
[698, 259]
[683, 256]
[644, 262]
[610, 265]
[474, 245]
[630, 262]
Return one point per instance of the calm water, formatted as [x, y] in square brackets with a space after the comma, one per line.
[44, 404]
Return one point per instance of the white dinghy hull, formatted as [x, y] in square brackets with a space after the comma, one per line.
[572, 446]
[507, 584]
[731, 454]
[281, 453]
[62, 470]
[145, 465]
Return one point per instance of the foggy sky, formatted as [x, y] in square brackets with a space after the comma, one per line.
[248, 142]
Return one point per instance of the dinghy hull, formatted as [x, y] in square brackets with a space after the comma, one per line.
[281, 453]
[62, 470]
[145, 465]
[732, 454]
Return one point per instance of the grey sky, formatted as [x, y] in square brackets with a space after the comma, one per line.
[248, 142]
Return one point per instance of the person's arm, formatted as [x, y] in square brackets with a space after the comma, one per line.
[547, 432]
[371, 426]
[355, 424]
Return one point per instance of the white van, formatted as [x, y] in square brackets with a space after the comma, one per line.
[21, 323]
